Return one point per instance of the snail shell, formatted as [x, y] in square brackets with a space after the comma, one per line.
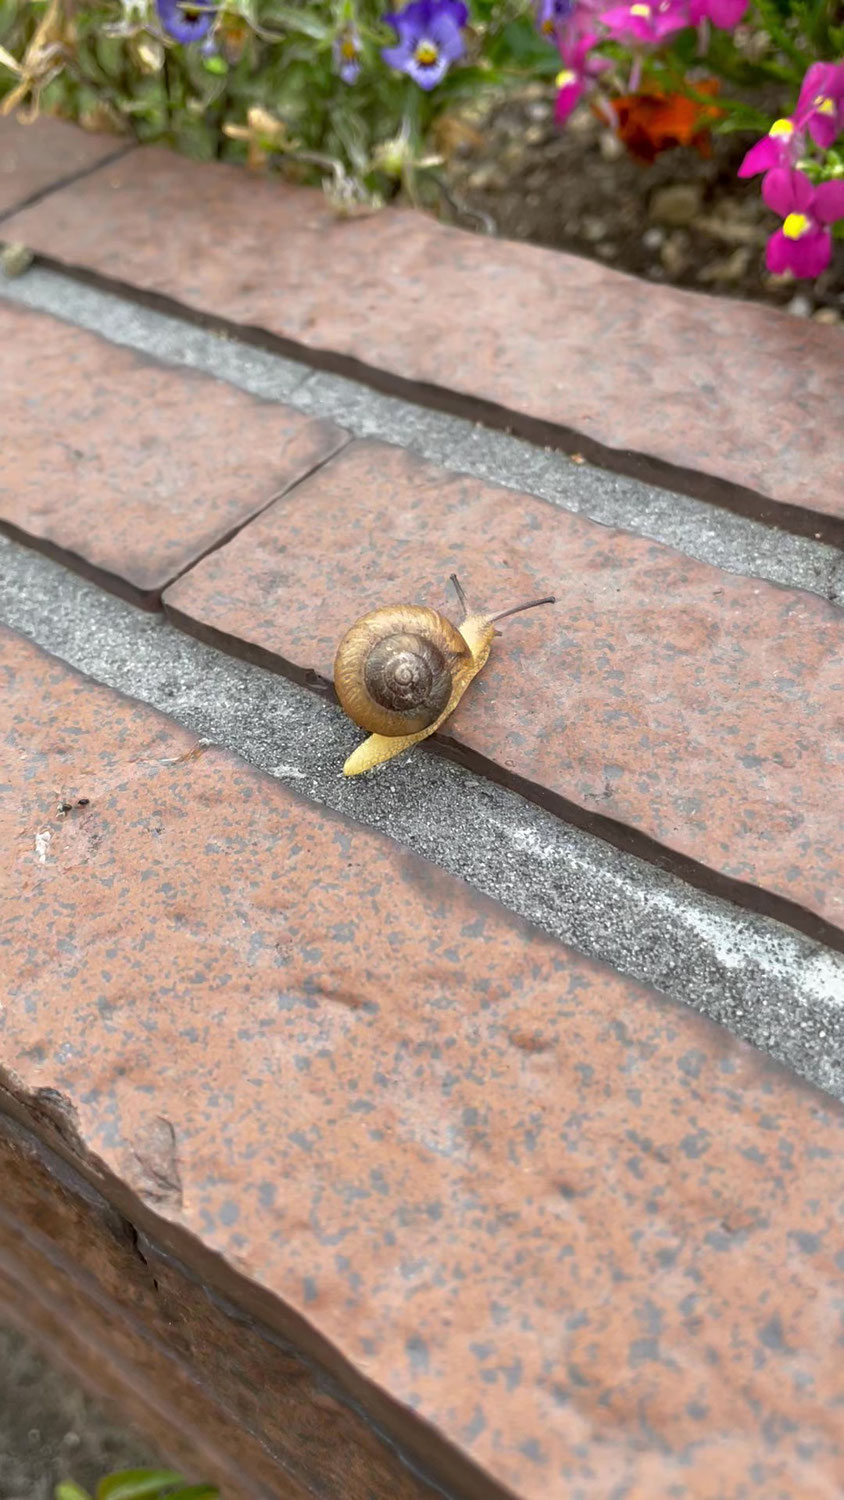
[394, 668]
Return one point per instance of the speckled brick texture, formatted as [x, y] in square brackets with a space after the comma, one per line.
[578, 1240]
[737, 400]
[39, 156]
[698, 708]
[129, 470]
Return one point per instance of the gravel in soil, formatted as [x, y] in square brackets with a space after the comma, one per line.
[50, 1429]
[685, 220]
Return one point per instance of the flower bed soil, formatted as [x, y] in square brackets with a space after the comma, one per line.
[685, 220]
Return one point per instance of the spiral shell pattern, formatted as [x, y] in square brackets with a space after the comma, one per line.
[394, 668]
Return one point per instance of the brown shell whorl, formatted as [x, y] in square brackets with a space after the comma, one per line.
[393, 671]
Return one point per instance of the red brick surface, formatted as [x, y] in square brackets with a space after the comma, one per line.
[583, 1234]
[713, 388]
[128, 469]
[36, 157]
[698, 707]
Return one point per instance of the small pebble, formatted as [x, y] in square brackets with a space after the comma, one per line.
[800, 306]
[726, 269]
[592, 229]
[677, 204]
[611, 147]
[826, 315]
[15, 259]
[487, 176]
[653, 238]
[674, 254]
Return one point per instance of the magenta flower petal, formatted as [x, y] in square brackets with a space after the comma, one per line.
[812, 84]
[778, 254]
[568, 97]
[820, 107]
[766, 154]
[787, 191]
[811, 254]
[617, 20]
[829, 202]
[725, 14]
[646, 20]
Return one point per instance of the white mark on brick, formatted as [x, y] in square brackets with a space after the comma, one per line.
[42, 845]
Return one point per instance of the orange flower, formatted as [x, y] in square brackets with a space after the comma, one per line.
[649, 123]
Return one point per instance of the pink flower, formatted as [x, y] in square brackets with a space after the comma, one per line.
[804, 244]
[643, 21]
[820, 108]
[724, 14]
[579, 70]
[781, 147]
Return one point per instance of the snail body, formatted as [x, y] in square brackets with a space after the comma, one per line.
[401, 670]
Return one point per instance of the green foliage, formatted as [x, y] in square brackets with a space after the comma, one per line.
[139, 1484]
[119, 70]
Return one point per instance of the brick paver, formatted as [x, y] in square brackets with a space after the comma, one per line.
[36, 157]
[126, 468]
[741, 400]
[585, 1237]
[697, 707]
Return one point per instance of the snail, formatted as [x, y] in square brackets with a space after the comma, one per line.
[402, 669]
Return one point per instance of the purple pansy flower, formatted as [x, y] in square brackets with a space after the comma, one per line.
[804, 244]
[551, 16]
[429, 39]
[820, 108]
[579, 70]
[645, 22]
[185, 22]
[781, 147]
[347, 53]
[725, 14]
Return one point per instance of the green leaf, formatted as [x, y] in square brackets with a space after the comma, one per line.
[136, 1484]
[302, 21]
[67, 1490]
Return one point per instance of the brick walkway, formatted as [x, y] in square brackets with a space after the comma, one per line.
[352, 1180]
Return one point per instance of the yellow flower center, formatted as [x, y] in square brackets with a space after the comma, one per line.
[640, 10]
[783, 128]
[795, 225]
[823, 105]
[563, 79]
[349, 50]
[548, 27]
[426, 53]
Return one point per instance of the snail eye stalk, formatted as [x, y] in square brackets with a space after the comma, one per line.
[458, 589]
[518, 609]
